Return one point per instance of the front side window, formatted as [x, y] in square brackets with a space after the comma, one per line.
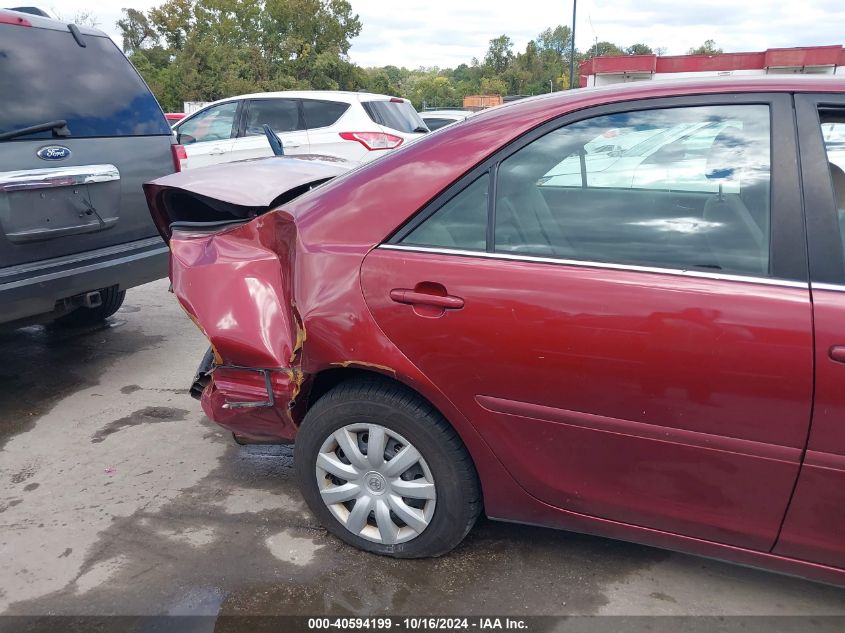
[282, 115]
[833, 133]
[677, 188]
[213, 124]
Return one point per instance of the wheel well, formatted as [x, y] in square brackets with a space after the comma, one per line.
[327, 379]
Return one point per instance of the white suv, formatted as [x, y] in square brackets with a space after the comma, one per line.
[357, 126]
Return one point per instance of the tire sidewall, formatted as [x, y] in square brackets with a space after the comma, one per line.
[450, 512]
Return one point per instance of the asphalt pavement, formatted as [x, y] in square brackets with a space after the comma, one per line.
[120, 498]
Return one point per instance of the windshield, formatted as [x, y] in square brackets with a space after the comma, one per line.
[46, 76]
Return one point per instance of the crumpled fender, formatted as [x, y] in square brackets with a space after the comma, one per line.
[236, 286]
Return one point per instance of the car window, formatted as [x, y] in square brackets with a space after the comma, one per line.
[460, 223]
[322, 113]
[395, 114]
[695, 195]
[436, 124]
[833, 133]
[212, 124]
[46, 76]
[282, 115]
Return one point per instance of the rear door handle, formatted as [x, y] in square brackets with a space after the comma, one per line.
[837, 353]
[217, 150]
[406, 295]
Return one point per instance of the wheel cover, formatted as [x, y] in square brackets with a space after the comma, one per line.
[376, 483]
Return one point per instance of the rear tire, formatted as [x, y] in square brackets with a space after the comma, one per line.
[437, 520]
[112, 300]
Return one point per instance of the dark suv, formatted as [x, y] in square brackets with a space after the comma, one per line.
[80, 132]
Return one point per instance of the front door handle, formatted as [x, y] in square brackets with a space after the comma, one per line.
[837, 353]
[290, 144]
[412, 297]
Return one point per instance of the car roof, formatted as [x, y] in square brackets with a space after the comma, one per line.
[463, 113]
[326, 95]
[41, 22]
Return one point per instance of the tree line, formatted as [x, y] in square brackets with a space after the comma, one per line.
[203, 50]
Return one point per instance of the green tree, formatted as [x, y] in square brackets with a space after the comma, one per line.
[500, 54]
[600, 49]
[708, 48]
[639, 49]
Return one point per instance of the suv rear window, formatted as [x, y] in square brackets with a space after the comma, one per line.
[397, 115]
[322, 113]
[45, 75]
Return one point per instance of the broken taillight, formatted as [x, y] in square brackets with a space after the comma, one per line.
[373, 140]
[179, 155]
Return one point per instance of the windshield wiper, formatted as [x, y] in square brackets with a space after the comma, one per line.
[421, 130]
[59, 128]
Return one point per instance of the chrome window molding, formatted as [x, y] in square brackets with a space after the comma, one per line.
[28, 179]
[606, 265]
[831, 287]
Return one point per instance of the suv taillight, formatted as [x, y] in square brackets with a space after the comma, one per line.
[179, 154]
[373, 140]
[6, 18]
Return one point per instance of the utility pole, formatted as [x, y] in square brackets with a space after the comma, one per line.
[572, 48]
[550, 86]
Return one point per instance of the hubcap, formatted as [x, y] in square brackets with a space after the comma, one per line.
[376, 483]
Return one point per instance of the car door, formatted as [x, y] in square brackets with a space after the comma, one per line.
[207, 135]
[640, 355]
[284, 116]
[814, 529]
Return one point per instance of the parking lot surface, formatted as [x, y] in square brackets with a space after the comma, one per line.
[120, 497]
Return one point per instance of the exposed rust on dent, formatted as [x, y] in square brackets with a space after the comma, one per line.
[361, 363]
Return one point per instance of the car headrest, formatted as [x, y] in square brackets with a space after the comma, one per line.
[727, 155]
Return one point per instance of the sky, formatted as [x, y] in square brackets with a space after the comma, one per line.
[446, 33]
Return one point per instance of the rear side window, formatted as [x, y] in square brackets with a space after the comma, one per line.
[282, 115]
[46, 76]
[397, 115]
[460, 223]
[436, 124]
[322, 113]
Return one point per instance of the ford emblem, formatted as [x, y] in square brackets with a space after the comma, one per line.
[53, 152]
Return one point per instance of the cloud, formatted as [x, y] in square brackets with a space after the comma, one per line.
[446, 33]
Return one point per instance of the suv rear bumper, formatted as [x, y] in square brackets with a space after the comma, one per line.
[32, 289]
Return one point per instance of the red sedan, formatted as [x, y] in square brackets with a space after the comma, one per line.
[642, 339]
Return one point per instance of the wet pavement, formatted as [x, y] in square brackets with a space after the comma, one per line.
[120, 498]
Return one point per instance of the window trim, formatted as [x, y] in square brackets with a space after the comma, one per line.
[787, 243]
[826, 257]
[581, 263]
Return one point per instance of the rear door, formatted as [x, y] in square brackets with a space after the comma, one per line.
[284, 116]
[814, 529]
[77, 189]
[639, 354]
[208, 135]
